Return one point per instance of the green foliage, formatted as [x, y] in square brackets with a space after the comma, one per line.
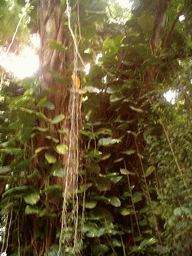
[137, 163]
[12, 15]
[116, 13]
[23, 108]
[54, 251]
[119, 102]
[168, 138]
[58, 46]
[116, 197]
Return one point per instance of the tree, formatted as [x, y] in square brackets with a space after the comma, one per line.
[55, 150]
[126, 131]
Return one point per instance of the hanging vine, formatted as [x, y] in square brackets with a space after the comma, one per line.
[72, 166]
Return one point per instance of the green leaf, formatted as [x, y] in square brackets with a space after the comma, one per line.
[94, 168]
[137, 196]
[50, 158]
[59, 172]
[41, 115]
[90, 226]
[86, 186]
[107, 141]
[125, 211]
[116, 243]
[35, 174]
[26, 133]
[4, 169]
[151, 62]
[128, 152]
[90, 204]
[118, 160]
[108, 44]
[16, 125]
[40, 149]
[105, 156]
[135, 248]
[96, 71]
[58, 46]
[32, 198]
[133, 83]
[103, 131]
[55, 166]
[23, 164]
[149, 171]
[58, 119]
[103, 184]
[54, 251]
[114, 88]
[126, 172]
[109, 175]
[41, 102]
[62, 149]
[52, 138]
[16, 191]
[92, 89]
[115, 201]
[116, 179]
[49, 105]
[136, 109]
[13, 151]
[123, 126]
[32, 210]
[52, 188]
[92, 230]
[118, 40]
[41, 129]
[27, 110]
[179, 211]
[7, 207]
[102, 249]
[88, 134]
[114, 98]
[93, 154]
[126, 194]
[147, 242]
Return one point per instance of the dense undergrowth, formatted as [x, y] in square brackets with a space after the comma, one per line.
[136, 167]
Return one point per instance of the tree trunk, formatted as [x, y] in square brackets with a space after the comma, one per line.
[61, 91]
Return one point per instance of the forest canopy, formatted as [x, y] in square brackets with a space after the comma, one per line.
[97, 162]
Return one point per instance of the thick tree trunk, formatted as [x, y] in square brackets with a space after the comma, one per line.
[60, 91]
[53, 62]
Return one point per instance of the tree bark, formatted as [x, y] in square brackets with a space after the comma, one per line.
[54, 64]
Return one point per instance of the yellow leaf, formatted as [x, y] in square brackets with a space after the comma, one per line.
[76, 79]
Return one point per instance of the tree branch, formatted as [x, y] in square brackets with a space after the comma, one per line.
[171, 30]
[159, 25]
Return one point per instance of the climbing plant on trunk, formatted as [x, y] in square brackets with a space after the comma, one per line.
[49, 124]
[119, 168]
[123, 121]
[57, 64]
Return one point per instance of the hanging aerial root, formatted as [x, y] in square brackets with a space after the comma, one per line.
[70, 220]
